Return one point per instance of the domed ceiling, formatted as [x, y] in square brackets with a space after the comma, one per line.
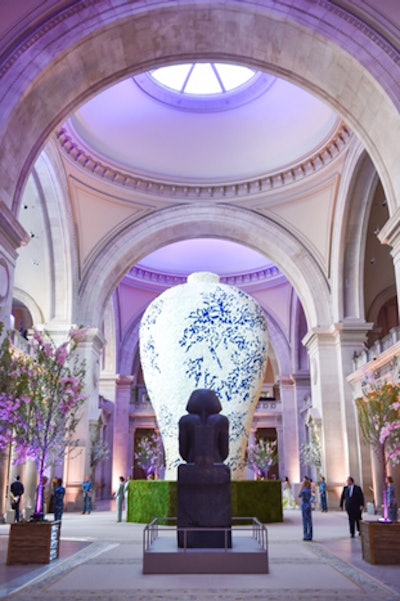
[130, 128]
[149, 129]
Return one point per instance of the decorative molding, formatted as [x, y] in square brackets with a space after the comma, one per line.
[12, 234]
[26, 40]
[4, 279]
[335, 145]
[166, 280]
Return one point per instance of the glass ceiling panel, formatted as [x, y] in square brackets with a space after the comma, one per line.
[204, 86]
[173, 77]
[203, 79]
[233, 76]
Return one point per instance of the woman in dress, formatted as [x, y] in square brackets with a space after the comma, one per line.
[288, 500]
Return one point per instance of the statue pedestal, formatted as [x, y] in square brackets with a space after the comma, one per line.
[204, 502]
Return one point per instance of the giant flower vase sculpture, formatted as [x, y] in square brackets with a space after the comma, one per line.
[40, 397]
[204, 334]
[379, 419]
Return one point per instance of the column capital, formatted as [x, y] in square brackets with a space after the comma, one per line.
[348, 330]
[12, 234]
[301, 378]
[95, 338]
[286, 381]
[390, 234]
[124, 381]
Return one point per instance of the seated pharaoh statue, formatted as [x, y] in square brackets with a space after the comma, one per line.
[204, 494]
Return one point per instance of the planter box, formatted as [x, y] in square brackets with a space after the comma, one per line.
[150, 499]
[33, 542]
[380, 542]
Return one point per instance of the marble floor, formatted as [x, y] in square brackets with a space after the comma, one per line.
[101, 560]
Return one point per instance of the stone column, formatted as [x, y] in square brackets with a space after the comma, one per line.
[121, 461]
[290, 428]
[350, 337]
[77, 464]
[12, 236]
[331, 351]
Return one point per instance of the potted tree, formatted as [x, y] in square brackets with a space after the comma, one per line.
[379, 420]
[150, 455]
[261, 456]
[40, 397]
[99, 452]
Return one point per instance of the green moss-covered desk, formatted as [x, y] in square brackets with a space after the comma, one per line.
[149, 499]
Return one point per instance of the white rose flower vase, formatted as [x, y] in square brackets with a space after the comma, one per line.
[204, 334]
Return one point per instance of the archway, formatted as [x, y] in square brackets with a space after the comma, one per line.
[136, 38]
[102, 275]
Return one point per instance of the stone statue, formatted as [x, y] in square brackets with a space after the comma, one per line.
[204, 495]
[203, 418]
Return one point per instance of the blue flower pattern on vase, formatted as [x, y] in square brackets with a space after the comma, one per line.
[204, 335]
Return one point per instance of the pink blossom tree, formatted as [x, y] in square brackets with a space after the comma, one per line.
[40, 397]
[261, 456]
[379, 419]
[150, 455]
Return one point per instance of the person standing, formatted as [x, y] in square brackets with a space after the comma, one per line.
[391, 499]
[352, 499]
[306, 511]
[16, 492]
[313, 493]
[322, 495]
[288, 500]
[87, 490]
[120, 495]
[59, 494]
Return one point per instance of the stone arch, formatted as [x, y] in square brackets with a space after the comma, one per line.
[30, 304]
[383, 297]
[359, 182]
[281, 346]
[50, 180]
[127, 247]
[71, 57]
[130, 346]
[300, 360]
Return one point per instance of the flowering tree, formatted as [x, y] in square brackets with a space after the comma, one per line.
[149, 454]
[40, 396]
[310, 452]
[261, 456]
[379, 419]
[99, 449]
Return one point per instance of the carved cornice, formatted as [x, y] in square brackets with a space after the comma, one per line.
[12, 234]
[154, 278]
[23, 42]
[98, 167]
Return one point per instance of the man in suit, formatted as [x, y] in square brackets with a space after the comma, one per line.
[353, 500]
[16, 491]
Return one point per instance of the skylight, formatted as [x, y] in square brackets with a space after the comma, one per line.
[203, 78]
[204, 87]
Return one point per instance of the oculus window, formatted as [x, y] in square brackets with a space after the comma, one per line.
[204, 86]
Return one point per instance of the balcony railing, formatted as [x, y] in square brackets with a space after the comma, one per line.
[378, 348]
